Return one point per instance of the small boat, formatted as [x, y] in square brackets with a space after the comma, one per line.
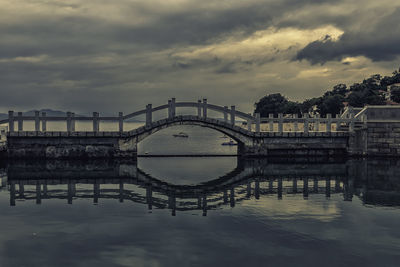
[224, 136]
[181, 134]
[230, 143]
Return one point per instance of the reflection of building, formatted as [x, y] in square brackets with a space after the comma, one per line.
[3, 133]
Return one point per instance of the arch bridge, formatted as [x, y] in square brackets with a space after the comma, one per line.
[287, 134]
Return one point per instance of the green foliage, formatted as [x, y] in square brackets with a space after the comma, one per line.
[331, 104]
[272, 103]
[308, 104]
[367, 96]
[388, 80]
[339, 89]
[358, 95]
[276, 103]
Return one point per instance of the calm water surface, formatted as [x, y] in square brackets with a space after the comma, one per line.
[199, 211]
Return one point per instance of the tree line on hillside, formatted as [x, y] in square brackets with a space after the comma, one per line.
[371, 91]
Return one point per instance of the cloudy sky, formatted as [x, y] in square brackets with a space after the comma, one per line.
[111, 56]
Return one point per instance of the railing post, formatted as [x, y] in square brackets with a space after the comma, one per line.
[149, 110]
[120, 122]
[199, 108]
[37, 121]
[69, 122]
[271, 122]
[305, 123]
[11, 121]
[337, 122]
[365, 121]
[351, 124]
[44, 122]
[20, 122]
[173, 107]
[169, 109]
[328, 123]
[316, 121]
[233, 113]
[72, 122]
[258, 122]
[280, 125]
[204, 108]
[96, 122]
[296, 124]
[249, 123]
[226, 113]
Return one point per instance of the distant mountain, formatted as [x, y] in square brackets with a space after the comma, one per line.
[50, 112]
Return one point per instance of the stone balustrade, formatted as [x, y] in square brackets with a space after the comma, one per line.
[255, 123]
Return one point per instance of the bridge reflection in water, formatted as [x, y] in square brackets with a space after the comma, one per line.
[124, 181]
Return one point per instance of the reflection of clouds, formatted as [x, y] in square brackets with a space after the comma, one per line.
[316, 207]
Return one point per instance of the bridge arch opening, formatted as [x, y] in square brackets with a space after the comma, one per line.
[187, 139]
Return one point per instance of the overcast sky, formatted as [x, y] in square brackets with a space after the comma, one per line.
[112, 56]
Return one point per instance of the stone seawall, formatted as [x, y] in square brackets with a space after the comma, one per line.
[297, 144]
[373, 139]
[76, 146]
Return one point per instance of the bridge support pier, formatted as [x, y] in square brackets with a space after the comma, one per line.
[11, 121]
[20, 122]
[44, 122]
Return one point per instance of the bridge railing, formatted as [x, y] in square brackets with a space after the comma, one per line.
[229, 115]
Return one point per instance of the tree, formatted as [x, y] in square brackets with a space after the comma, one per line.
[308, 104]
[356, 99]
[361, 98]
[331, 104]
[273, 103]
[292, 108]
[358, 95]
[276, 103]
[340, 89]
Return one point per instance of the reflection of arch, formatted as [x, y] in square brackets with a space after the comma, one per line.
[250, 178]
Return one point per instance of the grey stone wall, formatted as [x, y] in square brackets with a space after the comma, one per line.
[297, 144]
[68, 147]
[377, 139]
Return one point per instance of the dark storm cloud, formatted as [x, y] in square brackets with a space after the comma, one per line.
[117, 55]
[379, 43]
[75, 35]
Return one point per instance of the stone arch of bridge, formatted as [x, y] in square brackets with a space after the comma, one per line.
[234, 132]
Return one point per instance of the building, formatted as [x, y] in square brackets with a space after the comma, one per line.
[389, 88]
[3, 133]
